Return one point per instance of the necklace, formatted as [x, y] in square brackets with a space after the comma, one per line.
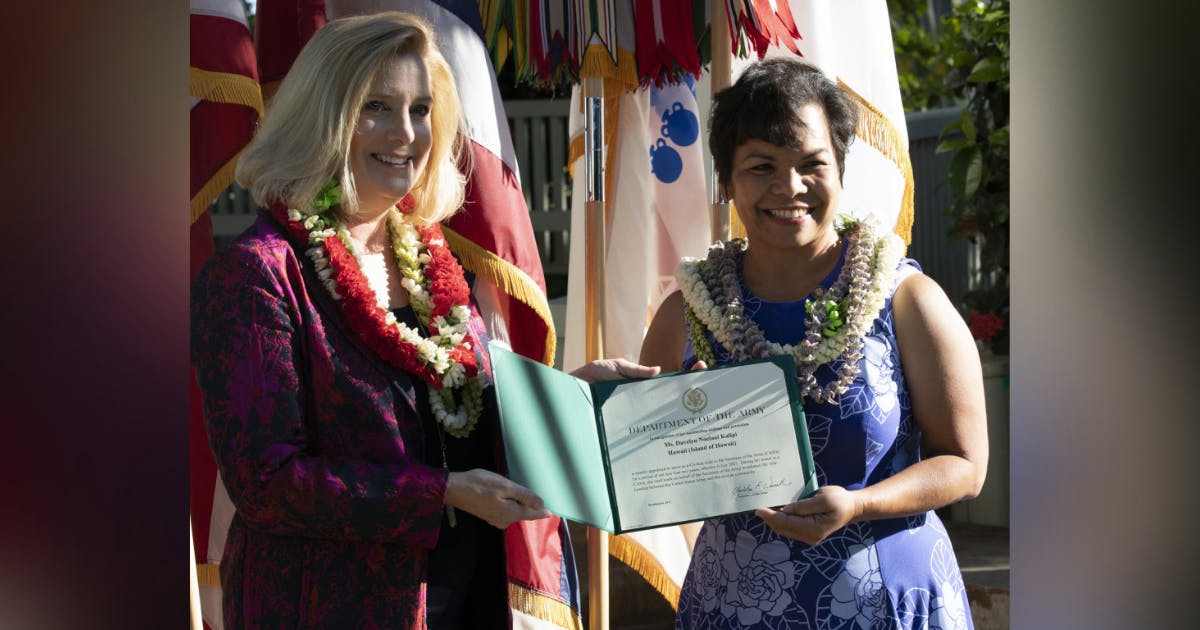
[374, 269]
[444, 359]
[836, 319]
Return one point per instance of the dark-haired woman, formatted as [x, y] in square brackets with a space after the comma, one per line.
[891, 380]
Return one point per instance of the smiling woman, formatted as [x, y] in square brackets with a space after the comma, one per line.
[342, 359]
[393, 135]
[889, 375]
[787, 198]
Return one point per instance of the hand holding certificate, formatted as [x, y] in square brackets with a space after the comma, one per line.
[628, 455]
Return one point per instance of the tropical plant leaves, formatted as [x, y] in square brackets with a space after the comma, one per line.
[999, 136]
[950, 145]
[966, 172]
[966, 122]
[986, 70]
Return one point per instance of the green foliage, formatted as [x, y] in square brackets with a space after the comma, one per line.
[975, 39]
[963, 59]
[919, 63]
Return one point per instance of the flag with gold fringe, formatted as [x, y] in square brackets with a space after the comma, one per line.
[281, 28]
[851, 42]
[226, 104]
[656, 212]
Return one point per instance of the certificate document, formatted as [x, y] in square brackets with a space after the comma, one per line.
[637, 454]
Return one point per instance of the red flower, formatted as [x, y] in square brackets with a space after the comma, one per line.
[447, 285]
[985, 326]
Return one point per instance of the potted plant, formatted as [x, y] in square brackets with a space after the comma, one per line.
[975, 43]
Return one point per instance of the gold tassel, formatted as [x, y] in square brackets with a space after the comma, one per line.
[208, 574]
[633, 554]
[545, 608]
[213, 187]
[224, 87]
[508, 278]
[877, 130]
[598, 63]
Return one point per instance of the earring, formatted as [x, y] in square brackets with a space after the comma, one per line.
[406, 204]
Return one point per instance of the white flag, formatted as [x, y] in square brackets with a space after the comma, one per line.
[657, 208]
[851, 42]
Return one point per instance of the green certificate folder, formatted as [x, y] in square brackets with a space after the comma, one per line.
[628, 455]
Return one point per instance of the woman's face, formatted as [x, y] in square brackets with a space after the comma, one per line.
[787, 197]
[393, 136]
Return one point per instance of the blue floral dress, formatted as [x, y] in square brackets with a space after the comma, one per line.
[891, 573]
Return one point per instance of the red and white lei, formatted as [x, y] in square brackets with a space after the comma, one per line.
[445, 359]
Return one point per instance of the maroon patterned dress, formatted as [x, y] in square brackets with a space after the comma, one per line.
[322, 447]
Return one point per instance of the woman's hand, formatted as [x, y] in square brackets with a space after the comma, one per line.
[613, 369]
[493, 498]
[813, 519]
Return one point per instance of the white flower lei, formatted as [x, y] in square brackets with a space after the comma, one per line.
[433, 350]
[836, 322]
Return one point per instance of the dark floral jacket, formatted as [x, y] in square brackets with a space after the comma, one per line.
[320, 446]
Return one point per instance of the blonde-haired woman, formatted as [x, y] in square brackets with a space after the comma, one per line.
[343, 363]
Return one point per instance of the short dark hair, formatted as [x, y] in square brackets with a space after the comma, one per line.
[763, 105]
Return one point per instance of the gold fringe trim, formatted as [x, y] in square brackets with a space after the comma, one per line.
[224, 87]
[598, 63]
[508, 278]
[876, 129]
[633, 554]
[574, 152]
[535, 604]
[208, 574]
[520, 598]
[737, 229]
[213, 187]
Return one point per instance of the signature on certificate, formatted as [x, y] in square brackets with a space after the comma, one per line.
[759, 487]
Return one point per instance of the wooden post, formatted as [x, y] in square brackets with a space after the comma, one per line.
[594, 255]
[721, 69]
[197, 615]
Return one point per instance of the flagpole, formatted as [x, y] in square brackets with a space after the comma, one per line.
[197, 623]
[721, 71]
[594, 250]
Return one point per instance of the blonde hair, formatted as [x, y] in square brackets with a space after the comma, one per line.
[304, 139]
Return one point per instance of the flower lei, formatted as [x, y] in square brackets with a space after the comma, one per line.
[445, 359]
[836, 319]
